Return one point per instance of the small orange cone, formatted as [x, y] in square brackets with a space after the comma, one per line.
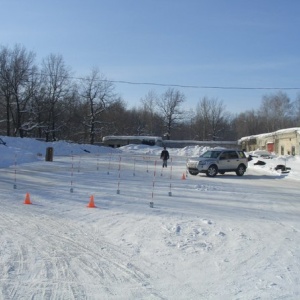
[91, 203]
[183, 176]
[27, 199]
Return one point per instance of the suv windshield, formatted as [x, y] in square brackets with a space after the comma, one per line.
[211, 154]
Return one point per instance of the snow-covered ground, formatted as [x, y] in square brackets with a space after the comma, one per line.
[226, 237]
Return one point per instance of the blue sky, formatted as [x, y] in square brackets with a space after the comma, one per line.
[212, 43]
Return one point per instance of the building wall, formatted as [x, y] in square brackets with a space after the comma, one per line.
[286, 142]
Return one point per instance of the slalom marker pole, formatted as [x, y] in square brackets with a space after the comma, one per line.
[15, 164]
[134, 167]
[72, 171]
[186, 169]
[79, 163]
[170, 192]
[98, 160]
[109, 163]
[147, 165]
[153, 184]
[118, 190]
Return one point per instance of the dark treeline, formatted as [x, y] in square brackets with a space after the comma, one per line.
[47, 101]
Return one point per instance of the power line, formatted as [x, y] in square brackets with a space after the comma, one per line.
[204, 87]
[178, 85]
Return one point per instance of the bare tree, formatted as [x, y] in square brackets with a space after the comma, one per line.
[276, 111]
[169, 108]
[211, 118]
[202, 119]
[247, 123]
[148, 111]
[98, 94]
[296, 110]
[56, 85]
[17, 79]
[115, 119]
[5, 89]
[71, 116]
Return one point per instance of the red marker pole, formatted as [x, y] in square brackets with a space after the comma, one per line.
[170, 192]
[147, 160]
[79, 164]
[72, 171]
[134, 167]
[109, 164]
[118, 190]
[98, 154]
[15, 163]
[153, 184]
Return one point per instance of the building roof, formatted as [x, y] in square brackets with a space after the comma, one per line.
[264, 135]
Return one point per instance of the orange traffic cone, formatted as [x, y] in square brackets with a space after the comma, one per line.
[27, 199]
[91, 203]
[183, 176]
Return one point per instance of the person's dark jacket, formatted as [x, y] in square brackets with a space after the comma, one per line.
[164, 154]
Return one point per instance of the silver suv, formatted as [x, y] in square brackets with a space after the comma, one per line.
[219, 161]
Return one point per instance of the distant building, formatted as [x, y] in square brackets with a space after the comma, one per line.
[116, 141]
[280, 142]
[212, 144]
[119, 141]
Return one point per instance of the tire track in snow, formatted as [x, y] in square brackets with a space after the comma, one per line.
[69, 263]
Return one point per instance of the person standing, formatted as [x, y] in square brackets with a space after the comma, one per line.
[164, 156]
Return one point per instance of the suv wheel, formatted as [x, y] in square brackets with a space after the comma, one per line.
[240, 170]
[212, 171]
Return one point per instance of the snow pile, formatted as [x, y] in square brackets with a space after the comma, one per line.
[23, 150]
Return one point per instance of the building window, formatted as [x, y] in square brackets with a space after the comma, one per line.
[282, 150]
[293, 150]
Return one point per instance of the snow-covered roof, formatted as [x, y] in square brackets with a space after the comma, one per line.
[130, 137]
[278, 132]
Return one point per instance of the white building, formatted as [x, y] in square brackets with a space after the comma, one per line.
[280, 142]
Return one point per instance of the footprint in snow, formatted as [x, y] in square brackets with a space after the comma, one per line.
[209, 222]
[221, 233]
[178, 228]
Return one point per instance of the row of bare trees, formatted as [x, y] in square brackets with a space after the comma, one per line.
[277, 111]
[47, 101]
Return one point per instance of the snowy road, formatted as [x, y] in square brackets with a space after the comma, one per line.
[214, 238]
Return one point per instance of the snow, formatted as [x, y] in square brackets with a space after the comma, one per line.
[226, 237]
